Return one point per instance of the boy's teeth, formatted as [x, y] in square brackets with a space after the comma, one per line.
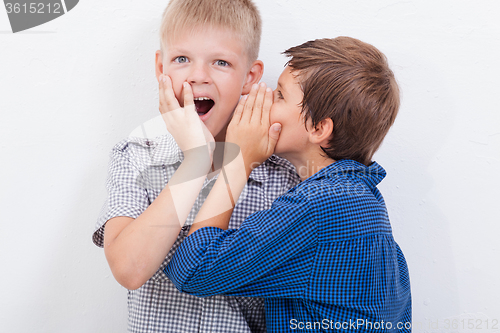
[202, 99]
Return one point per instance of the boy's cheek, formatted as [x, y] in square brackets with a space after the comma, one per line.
[176, 83]
[178, 93]
[179, 98]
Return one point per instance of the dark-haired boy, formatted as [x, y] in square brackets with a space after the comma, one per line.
[323, 256]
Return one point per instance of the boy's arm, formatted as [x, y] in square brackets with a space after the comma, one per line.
[218, 207]
[250, 138]
[135, 248]
[270, 255]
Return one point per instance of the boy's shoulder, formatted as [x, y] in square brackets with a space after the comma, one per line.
[150, 144]
[341, 201]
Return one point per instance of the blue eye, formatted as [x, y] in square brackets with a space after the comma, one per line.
[222, 63]
[181, 59]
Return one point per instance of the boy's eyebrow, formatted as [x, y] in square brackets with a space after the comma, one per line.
[224, 54]
[230, 56]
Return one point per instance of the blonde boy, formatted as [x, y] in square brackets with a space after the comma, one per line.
[156, 187]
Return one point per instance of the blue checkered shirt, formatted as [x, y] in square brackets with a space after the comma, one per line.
[323, 257]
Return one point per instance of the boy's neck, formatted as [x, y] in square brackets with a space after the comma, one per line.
[219, 153]
[221, 137]
[309, 163]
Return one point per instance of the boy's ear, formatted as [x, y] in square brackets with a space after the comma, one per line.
[322, 133]
[158, 64]
[253, 76]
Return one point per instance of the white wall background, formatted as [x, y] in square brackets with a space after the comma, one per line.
[70, 89]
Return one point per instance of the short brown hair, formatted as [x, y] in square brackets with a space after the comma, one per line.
[240, 16]
[350, 82]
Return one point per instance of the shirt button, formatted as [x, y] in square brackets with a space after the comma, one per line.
[272, 158]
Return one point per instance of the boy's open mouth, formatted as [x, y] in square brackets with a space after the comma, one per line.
[203, 105]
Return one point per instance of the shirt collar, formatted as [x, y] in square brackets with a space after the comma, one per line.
[372, 175]
[261, 173]
[162, 150]
[153, 135]
[166, 151]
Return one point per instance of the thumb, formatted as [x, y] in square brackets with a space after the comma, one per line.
[274, 134]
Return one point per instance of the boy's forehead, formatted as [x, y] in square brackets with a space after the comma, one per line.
[182, 33]
[289, 77]
[212, 41]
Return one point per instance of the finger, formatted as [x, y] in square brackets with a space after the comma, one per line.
[161, 89]
[172, 102]
[266, 109]
[239, 110]
[247, 110]
[188, 95]
[274, 134]
[259, 102]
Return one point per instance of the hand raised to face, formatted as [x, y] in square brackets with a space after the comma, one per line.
[250, 127]
[183, 123]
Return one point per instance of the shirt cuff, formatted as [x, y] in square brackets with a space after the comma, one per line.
[189, 255]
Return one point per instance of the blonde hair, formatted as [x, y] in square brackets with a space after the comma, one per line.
[240, 16]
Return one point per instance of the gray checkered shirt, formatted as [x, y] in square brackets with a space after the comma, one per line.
[139, 169]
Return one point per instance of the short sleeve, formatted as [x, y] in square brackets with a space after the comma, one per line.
[126, 196]
[270, 255]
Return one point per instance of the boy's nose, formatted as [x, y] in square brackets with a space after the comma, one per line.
[199, 74]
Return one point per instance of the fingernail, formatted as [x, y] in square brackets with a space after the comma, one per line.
[262, 84]
[269, 90]
[255, 86]
[245, 97]
[185, 84]
[277, 128]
